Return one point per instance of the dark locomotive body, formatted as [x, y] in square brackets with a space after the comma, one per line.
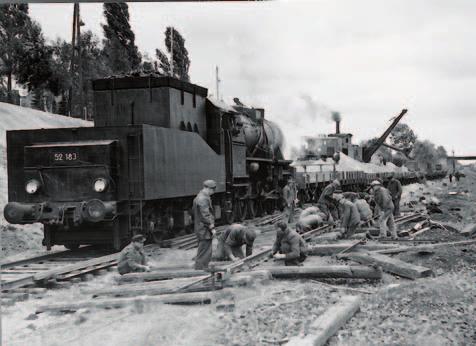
[155, 140]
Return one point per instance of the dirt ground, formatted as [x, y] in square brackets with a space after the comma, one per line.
[432, 311]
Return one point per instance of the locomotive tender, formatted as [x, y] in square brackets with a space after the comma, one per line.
[154, 141]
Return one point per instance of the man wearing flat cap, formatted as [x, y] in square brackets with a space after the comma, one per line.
[132, 258]
[204, 224]
[231, 241]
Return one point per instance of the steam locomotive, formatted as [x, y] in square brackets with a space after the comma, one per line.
[155, 140]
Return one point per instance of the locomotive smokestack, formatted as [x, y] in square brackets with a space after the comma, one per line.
[337, 118]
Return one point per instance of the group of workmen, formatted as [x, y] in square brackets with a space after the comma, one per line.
[345, 210]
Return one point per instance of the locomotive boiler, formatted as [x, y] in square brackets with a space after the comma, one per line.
[154, 141]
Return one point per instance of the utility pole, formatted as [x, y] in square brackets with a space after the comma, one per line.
[76, 65]
[217, 80]
[454, 164]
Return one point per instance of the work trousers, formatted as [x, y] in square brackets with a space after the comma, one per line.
[285, 249]
[396, 204]
[289, 212]
[387, 222]
[221, 254]
[204, 254]
[350, 230]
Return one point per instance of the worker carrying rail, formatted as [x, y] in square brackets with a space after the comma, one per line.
[326, 203]
[231, 241]
[289, 246]
[132, 258]
[204, 224]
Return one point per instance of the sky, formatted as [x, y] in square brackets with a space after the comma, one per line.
[300, 60]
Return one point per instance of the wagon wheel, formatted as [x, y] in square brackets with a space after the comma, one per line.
[252, 208]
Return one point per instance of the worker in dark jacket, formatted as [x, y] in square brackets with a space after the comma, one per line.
[231, 241]
[350, 217]
[289, 246]
[204, 224]
[383, 200]
[326, 203]
[395, 188]
[132, 258]
[290, 198]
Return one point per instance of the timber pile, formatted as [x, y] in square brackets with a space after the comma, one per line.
[332, 249]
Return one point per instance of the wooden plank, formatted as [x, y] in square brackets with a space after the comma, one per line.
[330, 271]
[51, 274]
[426, 247]
[391, 265]
[330, 249]
[176, 298]
[423, 230]
[327, 324]
[161, 275]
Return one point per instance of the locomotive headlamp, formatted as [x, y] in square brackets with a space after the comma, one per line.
[32, 186]
[100, 185]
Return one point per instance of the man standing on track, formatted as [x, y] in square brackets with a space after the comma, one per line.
[395, 188]
[204, 224]
[290, 196]
[383, 200]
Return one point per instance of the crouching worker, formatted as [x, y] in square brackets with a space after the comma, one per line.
[310, 218]
[132, 258]
[231, 241]
[350, 219]
[290, 245]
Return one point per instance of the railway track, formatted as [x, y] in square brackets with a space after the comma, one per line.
[59, 266]
[65, 265]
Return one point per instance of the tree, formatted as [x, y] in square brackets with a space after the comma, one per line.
[119, 44]
[14, 26]
[403, 137]
[34, 69]
[164, 63]
[179, 63]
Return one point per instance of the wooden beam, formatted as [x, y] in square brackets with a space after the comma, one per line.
[427, 247]
[331, 249]
[391, 265]
[161, 275]
[330, 271]
[152, 288]
[327, 324]
[176, 298]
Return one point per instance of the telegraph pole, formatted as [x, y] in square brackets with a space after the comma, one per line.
[217, 80]
[76, 65]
